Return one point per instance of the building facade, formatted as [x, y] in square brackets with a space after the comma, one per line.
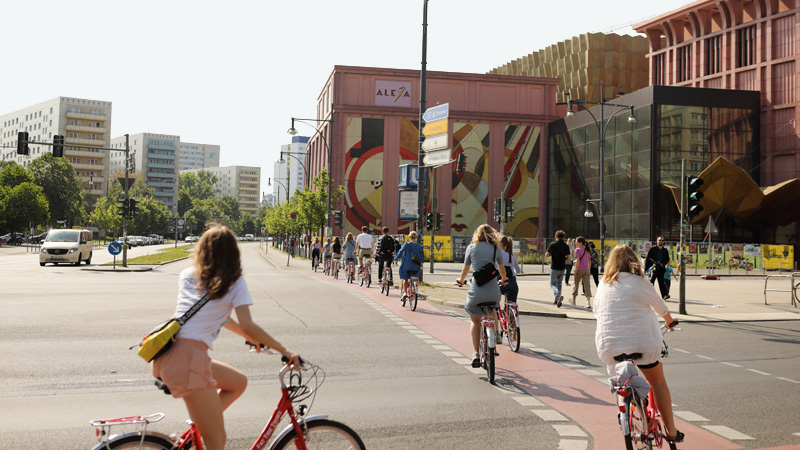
[292, 167]
[83, 122]
[155, 159]
[240, 182]
[370, 127]
[198, 156]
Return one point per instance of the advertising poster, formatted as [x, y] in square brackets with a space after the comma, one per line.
[441, 248]
[408, 205]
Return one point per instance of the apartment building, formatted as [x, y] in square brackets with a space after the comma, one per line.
[240, 182]
[291, 167]
[83, 122]
[198, 156]
[155, 159]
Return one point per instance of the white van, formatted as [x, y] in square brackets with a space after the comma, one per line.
[66, 246]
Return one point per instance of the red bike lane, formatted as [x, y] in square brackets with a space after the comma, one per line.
[577, 396]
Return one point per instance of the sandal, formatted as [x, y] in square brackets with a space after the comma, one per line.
[678, 437]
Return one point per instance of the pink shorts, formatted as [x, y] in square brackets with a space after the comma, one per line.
[185, 368]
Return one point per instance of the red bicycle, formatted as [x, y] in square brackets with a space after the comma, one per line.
[312, 432]
[508, 318]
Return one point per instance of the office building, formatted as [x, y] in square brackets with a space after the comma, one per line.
[240, 182]
[291, 166]
[198, 156]
[155, 160]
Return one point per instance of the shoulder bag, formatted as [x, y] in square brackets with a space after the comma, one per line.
[486, 273]
[158, 341]
[414, 258]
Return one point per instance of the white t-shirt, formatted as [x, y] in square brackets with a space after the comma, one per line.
[205, 324]
[364, 241]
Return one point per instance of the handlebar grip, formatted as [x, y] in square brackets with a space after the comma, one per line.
[673, 324]
[285, 360]
[261, 346]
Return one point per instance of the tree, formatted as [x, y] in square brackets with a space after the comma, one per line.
[22, 205]
[153, 217]
[57, 178]
[312, 204]
[230, 207]
[13, 174]
[246, 225]
[198, 185]
[185, 202]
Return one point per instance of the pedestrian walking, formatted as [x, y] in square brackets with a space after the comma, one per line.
[658, 259]
[582, 263]
[558, 252]
[568, 263]
[594, 268]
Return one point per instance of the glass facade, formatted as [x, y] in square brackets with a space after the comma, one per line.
[642, 165]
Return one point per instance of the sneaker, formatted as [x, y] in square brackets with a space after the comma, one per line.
[588, 306]
[666, 297]
[560, 301]
[476, 360]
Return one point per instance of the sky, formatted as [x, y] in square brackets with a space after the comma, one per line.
[233, 73]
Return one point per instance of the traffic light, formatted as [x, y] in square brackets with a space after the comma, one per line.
[131, 163]
[122, 208]
[22, 143]
[133, 207]
[58, 146]
[509, 210]
[693, 196]
[498, 209]
[429, 219]
[461, 163]
[439, 221]
[338, 218]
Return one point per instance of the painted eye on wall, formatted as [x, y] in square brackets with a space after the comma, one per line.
[377, 183]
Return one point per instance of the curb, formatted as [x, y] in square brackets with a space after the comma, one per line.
[521, 312]
[141, 268]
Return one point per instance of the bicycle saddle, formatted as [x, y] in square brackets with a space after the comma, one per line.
[486, 304]
[627, 357]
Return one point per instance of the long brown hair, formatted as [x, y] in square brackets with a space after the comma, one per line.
[485, 233]
[507, 244]
[217, 261]
[622, 259]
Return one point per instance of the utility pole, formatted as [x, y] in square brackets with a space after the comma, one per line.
[684, 211]
[127, 197]
[422, 106]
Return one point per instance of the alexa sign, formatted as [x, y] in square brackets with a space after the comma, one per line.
[393, 93]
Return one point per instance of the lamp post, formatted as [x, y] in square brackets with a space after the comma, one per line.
[292, 131]
[305, 168]
[602, 126]
[280, 185]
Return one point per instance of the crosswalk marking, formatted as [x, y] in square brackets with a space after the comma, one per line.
[690, 416]
[528, 400]
[728, 433]
[569, 430]
[550, 415]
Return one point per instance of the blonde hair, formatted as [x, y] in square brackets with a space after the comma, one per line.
[413, 236]
[217, 261]
[622, 259]
[349, 237]
[485, 233]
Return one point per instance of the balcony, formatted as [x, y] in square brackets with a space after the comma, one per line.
[161, 166]
[85, 153]
[86, 129]
[99, 167]
[95, 117]
[91, 142]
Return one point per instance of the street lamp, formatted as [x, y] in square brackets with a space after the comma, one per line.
[292, 131]
[305, 168]
[269, 183]
[602, 126]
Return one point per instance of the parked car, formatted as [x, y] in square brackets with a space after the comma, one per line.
[66, 246]
[37, 239]
[12, 238]
[156, 238]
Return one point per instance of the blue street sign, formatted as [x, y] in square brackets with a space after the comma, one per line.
[115, 248]
[436, 113]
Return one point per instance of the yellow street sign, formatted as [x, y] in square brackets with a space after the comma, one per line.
[433, 128]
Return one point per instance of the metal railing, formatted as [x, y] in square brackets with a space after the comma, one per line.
[794, 286]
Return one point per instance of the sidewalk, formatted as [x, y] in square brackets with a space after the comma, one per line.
[729, 299]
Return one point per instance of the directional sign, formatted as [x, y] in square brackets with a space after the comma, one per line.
[437, 142]
[436, 113]
[437, 158]
[114, 248]
[434, 128]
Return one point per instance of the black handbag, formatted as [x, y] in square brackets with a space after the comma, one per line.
[486, 273]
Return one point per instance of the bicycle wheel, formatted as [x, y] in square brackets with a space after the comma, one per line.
[637, 419]
[131, 441]
[369, 278]
[512, 333]
[323, 434]
[412, 299]
[489, 334]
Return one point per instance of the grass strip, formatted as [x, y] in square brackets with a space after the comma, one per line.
[163, 256]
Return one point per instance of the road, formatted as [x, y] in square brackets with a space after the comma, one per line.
[399, 378]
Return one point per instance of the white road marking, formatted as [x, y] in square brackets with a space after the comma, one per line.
[550, 415]
[528, 400]
[441, 347]
[569, 430]
[477, 370]
[759, 372]
[423, 336]
[429, 341]
[462, 360]
[690, 416]
[680, 350]
[728, 433]
[706, 357]
[572, 444]
[542, 350]
[453, 354]
[730, 364]
[791, 381]
[590, 372]
[417, 331]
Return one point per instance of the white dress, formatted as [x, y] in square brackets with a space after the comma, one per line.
[626, 322]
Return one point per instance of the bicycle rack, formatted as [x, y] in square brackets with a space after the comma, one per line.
[794, 287]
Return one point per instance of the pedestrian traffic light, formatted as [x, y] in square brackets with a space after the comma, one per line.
[122, 208]
[133, 207]
[429, 219]
[22, 143]
[461, 163]
[498, 209]
[439, 221]
[509, 210]
[693, 196]
[338, 218]
[58, 146]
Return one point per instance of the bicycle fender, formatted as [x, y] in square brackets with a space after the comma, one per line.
[290, 427]
[112, 437]
[626, 426]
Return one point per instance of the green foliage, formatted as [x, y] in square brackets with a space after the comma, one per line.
[61, 187]
[198, 185]
[13, 174]
[22, 205]
[246, 225]
[230, 207]
[311, 205]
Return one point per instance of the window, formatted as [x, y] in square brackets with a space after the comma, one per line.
[658, 69]
[684, 63]
[745, 46]
[713, 45]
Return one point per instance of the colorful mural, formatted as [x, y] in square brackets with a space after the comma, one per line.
[521, 175]
[364, 174]
[469, 202]
[409, 151]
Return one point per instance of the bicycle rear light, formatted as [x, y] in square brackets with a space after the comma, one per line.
[623, 392]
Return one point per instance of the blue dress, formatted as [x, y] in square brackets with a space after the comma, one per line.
[407, 267]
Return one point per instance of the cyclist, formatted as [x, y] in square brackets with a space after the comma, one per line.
[209, 387]
[315, 248]
[349, 249]
[480, 253]
[336, 249]
[409, 268]
[364, 245]
[384, 252]
[326, 252]
[511, 289]
[624, 308]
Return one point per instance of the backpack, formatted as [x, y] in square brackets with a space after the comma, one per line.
[386, 246]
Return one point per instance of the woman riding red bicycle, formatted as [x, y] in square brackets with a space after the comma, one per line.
[624, 308]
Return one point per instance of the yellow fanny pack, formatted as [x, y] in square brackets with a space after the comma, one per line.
[158, 341]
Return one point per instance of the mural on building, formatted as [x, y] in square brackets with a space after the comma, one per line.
[364, 173]
[470, 190]
[521, 172]
[409, 151]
